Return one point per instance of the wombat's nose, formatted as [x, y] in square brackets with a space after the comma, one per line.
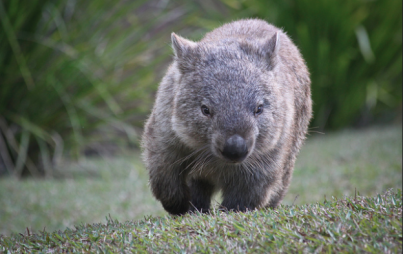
[235, 148]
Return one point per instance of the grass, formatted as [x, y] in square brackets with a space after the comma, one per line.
[84, 192]
[335, 164]
[354, 224]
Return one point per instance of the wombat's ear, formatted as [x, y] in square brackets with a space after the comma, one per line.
[181, 45]
[271, 48]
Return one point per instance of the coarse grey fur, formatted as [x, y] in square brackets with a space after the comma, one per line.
[256, 88]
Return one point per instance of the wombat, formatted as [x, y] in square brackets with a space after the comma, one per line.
[230, 114]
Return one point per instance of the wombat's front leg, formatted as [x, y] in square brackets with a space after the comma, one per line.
[169, 187]
[243, 196]
[201, 192]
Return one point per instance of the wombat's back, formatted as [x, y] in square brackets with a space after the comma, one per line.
[251, 29]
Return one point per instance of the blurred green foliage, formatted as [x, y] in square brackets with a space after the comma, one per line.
[71, 73]
[78, 76]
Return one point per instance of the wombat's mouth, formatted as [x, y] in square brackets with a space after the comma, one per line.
[232, 159]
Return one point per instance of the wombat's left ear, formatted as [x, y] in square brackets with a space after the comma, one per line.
[271, 48]
[181, 45]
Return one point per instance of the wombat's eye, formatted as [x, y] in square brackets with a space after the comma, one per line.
[205, 110]
[259, 110]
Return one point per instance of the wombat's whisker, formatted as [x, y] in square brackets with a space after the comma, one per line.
[204, 163]
[201, 158]
[181, 160]
[310, 131]
[246, 168]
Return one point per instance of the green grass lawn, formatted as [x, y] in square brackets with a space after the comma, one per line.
[335, 164]
[353, 225]
[332, 164]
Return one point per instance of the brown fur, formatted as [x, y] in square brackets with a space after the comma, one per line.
[233, 71]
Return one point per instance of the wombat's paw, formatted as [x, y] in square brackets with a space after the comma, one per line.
[177, 208]
[237, 208]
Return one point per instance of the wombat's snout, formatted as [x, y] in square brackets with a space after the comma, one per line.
[235, 149]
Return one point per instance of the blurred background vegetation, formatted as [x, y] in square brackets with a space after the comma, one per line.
[78, 78]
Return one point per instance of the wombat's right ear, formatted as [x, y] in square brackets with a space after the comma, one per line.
[271, 49]
[181, 45]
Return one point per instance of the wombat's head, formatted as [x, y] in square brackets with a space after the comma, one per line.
[228, 100]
